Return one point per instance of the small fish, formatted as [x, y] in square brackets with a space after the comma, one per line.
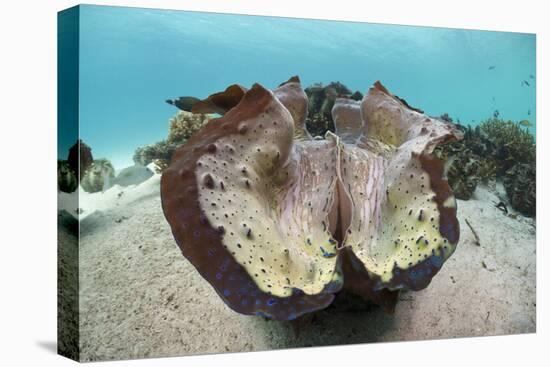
[496, 114]
[183, 103]
[493, 99]
[524, 82]
[528, 112]
[531, 76]
[492, 67]
[525, 123]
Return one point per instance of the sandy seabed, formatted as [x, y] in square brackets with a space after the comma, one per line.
[139, 297]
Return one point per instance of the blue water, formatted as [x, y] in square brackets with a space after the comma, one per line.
[131, 60]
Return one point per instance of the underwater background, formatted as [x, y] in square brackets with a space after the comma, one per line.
[132, 60]
[125, 291]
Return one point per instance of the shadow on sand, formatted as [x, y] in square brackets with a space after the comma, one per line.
[348, 320]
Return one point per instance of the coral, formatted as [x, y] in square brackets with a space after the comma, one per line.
[486, 154]
[520, 184]
[66, 177]
[181, 127]
[511, 143]
[161, 151]
[98, 177]
[160, 165]
[463, 174]
[278, 222]
[185, 124]
[462, 167]
[321, 101]
[445, 117]
[318, 124]
[487, 170]
[80, 158]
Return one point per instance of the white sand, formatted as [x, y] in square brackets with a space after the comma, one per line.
[81, 204]
[140, 297]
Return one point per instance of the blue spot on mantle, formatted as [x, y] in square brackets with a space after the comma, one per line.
[437, 261]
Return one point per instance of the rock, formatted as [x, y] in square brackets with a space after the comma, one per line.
[133, 175]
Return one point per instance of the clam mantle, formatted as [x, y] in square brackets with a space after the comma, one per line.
[278, 222]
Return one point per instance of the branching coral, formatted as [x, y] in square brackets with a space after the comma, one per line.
[181, 127]
[185, 124]
[493, 150]
[512, 144]
[278, 222]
